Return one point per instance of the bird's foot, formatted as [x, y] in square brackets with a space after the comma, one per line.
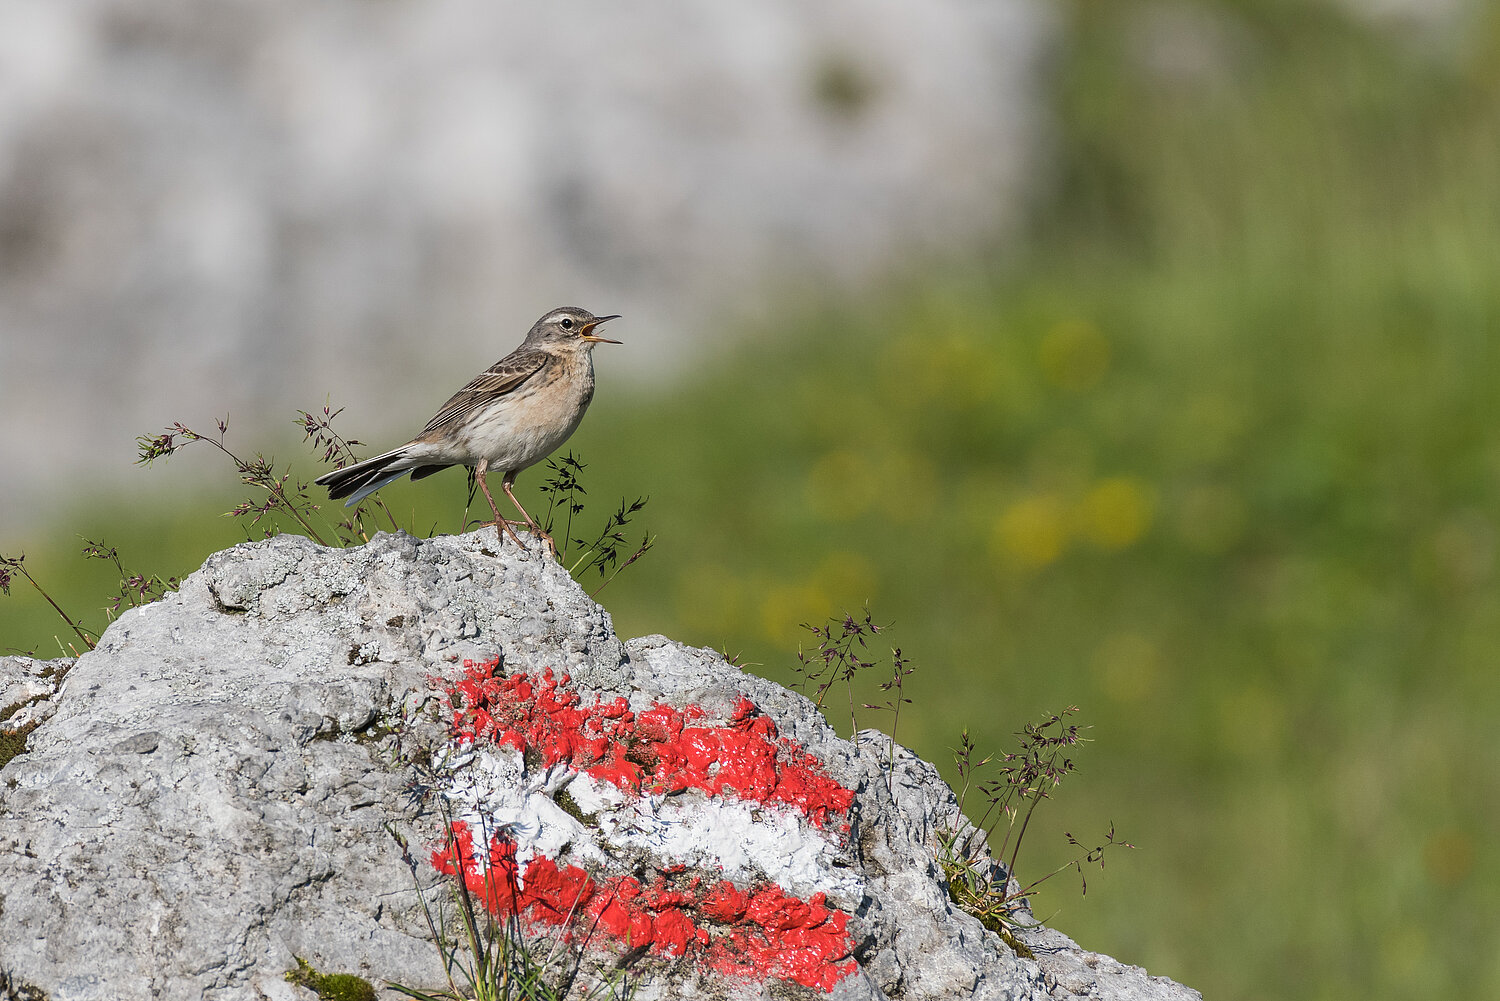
[551, 547]
[502, 529]
[540, 532]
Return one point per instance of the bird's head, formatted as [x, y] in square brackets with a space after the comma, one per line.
[569, 326]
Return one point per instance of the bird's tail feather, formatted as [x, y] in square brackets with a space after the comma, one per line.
[364, 478]
[372, 486]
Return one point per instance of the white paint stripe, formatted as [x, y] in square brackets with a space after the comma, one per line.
[725, 837]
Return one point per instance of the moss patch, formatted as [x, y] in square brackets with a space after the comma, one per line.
[569, 805]
[19, 990]
[331, 986]
[13, 742]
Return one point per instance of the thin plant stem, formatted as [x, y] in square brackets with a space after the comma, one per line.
[78, 630]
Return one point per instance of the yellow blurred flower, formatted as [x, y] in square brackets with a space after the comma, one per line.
[1074, 355]
[1116, 512]
[1032, 531]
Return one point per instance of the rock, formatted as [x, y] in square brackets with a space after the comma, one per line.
[27, 687]
[262, 771]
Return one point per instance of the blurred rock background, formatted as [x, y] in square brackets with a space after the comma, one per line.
[246, 208]
[1136, 355]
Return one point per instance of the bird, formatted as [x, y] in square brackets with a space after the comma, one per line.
[511, 416]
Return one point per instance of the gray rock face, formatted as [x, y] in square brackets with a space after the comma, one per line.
[226, 784]
[27, 687]
[253, 200]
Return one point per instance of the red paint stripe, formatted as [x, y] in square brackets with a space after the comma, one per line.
[760, 933]
[662, 749]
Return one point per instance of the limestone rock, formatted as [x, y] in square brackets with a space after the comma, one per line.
[262, 766]
[27, 687]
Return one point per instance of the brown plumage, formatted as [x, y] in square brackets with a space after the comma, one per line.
[511, 416]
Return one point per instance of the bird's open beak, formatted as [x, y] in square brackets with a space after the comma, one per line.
[588, 329]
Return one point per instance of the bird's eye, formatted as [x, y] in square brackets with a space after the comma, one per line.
[567, 323]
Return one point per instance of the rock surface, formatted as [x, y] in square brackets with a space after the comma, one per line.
[226, 783]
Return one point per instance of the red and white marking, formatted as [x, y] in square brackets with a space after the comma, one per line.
[739, 829]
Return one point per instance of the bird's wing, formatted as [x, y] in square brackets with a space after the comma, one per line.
[505, 376]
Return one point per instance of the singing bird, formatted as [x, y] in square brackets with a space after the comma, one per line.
[513, 415]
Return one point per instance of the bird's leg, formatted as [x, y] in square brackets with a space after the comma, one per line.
[501, 525]
[505, 485]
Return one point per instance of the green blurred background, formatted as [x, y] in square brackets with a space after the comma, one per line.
[1214, 457]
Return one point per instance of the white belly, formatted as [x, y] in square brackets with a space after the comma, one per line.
[529, 424]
